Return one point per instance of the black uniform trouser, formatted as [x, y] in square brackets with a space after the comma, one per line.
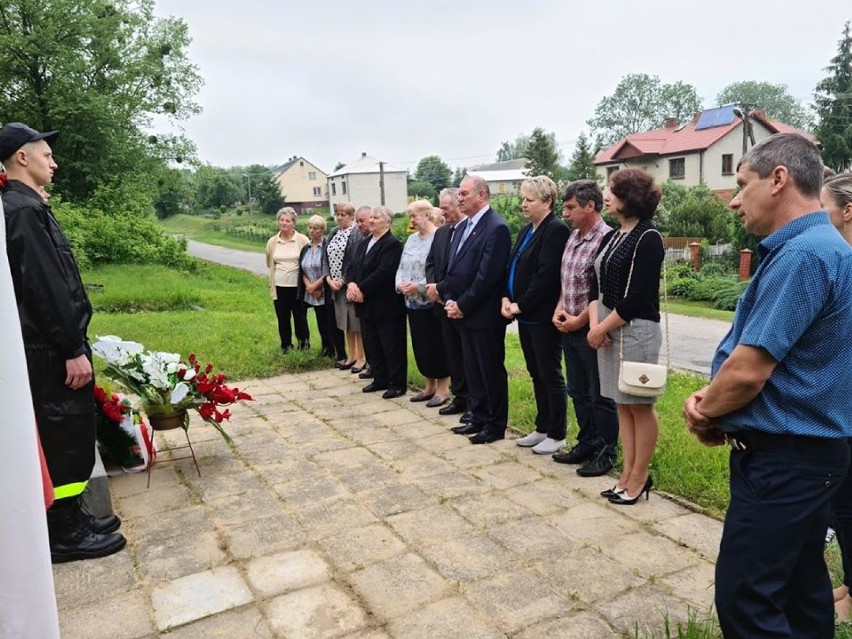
[65, 420]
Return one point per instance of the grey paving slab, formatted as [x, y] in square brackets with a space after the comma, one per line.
[199, 595]
[343, 515]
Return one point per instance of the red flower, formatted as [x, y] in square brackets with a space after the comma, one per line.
[3, 179]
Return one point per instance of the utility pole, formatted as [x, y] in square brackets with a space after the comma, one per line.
[247, 176]
[382, 182]
[744, 114]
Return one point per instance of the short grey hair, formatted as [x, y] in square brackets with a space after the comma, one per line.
[368, 209]
[479, 184]
[288, 211]
[452, 193]
[796, 153]
[385, 212]
[319, 221]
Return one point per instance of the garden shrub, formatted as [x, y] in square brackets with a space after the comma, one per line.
[706, 287]
[726, 298]
[98, 238]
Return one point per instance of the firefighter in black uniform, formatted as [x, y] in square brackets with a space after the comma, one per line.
[55, 312]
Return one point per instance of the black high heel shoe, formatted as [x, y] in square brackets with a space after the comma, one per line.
[612, 492]
[624, 499]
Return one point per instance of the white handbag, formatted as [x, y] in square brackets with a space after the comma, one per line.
[644, 379]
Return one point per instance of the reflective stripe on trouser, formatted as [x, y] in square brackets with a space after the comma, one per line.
[69, 490]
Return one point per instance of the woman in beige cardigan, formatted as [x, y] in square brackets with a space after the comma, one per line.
[282, 260]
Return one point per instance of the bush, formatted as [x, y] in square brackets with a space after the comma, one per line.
[98, 238]
[681, 280]
[718, 268]
[706, 287]
[726, 298]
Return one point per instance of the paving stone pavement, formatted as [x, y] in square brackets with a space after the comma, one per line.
[339, 514]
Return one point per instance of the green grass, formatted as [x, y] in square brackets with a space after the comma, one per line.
[223, 231]
[223, 315]
[696, 309]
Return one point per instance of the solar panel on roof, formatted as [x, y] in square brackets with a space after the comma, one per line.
[718, 116]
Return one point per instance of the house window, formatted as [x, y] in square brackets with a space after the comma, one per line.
[333, 188]
[312, 175]
[317, 191]
[728, 164]
[677, 168]
[610, 170]
[343, 188]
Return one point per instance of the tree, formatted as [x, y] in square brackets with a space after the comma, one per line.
[98, 71]
[434, 170]
[265, 189]
[174, 192]
[833, 98]
[458, 175]
[775, 99]
[694, 212]
[216, 188]
[641, 102]
[582, 165]
[338, 166]
[513, 150]
[421, 189]
[543, 155]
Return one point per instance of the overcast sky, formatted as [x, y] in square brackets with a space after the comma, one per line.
[328, 79]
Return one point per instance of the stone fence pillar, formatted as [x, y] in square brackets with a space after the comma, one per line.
[695, 255]
[745, 264]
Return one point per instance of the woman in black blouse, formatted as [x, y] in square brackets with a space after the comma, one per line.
[632, 313]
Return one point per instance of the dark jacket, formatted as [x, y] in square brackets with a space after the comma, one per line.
[52, 302]
[353, 254]
[436, 261]
[537, 282]
[475, 277]
[375, 275]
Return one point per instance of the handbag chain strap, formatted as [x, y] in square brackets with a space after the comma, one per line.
[665, 300]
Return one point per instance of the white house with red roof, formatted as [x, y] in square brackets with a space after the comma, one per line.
[705, 150]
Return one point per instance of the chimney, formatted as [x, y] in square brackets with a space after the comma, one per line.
[696, 116]
[363, 154]
[671, 123]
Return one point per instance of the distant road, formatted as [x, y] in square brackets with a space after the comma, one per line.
[694, 339]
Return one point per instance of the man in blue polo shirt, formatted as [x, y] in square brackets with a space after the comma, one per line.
[780, 396]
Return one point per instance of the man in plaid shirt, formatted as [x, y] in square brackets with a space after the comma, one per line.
[597, 441]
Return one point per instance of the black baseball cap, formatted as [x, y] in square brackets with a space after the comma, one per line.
[16, 134]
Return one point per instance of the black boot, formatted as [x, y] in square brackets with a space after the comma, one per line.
[71, 538]
[100, 525]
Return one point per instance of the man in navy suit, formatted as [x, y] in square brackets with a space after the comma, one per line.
[472, 289]
[436, 268]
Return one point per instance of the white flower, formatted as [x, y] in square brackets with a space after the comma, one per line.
[179, 393]
[189, 374]
[116, 351]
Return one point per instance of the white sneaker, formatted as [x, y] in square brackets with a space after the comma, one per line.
[548, 446]
[532, 439]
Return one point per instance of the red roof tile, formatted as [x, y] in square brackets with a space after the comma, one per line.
[680, 139]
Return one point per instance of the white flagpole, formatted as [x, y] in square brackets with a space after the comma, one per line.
[27, 599]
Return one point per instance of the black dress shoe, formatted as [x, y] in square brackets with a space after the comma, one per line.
[453, 408]
[486, 438]
[574, 456]
[367, 373]
[393, 392]
[596, 468]
[467, 429]
[372, 387]
[345, 366]
[466, 418]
